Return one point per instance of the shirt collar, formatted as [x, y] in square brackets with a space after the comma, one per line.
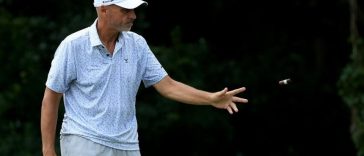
[94, 36]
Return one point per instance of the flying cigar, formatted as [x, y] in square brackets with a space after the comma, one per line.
[284, 82]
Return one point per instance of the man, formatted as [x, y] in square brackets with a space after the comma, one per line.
[98, 71]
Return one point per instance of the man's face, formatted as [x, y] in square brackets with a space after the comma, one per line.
[120, 18]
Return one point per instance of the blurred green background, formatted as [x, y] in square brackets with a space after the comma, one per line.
[209, 45]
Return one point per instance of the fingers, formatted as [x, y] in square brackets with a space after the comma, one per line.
[241, 100]
[236, 91]
[229, 110]
[232, 108]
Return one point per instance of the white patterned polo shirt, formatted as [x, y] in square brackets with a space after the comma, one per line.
[99, 89]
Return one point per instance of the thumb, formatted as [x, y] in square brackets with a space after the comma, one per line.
[222, 92]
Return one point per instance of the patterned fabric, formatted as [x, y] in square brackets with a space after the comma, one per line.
[100, 89]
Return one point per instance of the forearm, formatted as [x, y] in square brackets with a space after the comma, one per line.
[48, 126]
[49, 114]
[183, 93]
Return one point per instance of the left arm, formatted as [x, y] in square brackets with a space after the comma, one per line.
[180, 92]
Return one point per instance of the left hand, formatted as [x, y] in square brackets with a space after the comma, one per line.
[225, 99]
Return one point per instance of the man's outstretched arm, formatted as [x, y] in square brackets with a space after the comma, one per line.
[48, 123]
[180, 92]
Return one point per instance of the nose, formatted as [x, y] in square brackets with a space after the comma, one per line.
[132, 14]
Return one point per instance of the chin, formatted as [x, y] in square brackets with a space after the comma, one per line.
[125, 29]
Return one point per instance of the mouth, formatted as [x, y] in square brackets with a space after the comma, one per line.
[130, 23]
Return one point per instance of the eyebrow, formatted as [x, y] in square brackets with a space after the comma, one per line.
[125, 9]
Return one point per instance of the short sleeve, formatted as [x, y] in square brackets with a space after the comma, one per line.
[154, 71]
[62, 71]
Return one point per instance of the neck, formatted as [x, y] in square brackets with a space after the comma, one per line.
[107, 37]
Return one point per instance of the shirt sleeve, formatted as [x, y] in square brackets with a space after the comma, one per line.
[62, 71]
[154, 71]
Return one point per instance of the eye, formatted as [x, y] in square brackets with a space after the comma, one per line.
[125, 11]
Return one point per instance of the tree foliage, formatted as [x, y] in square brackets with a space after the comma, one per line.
[351, 82]
[226, 44]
